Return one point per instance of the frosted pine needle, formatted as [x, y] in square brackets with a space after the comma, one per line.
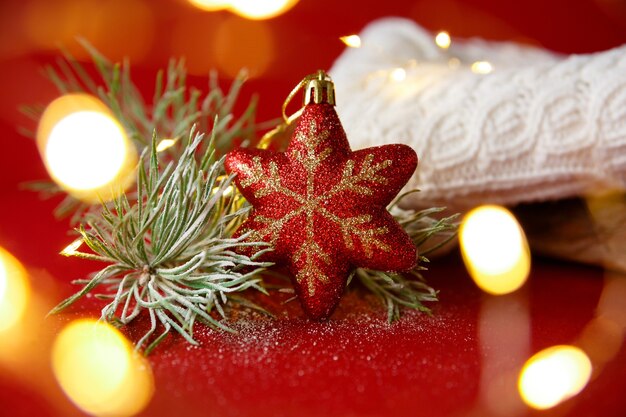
[171, 252]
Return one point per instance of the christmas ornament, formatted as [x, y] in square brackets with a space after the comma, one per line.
[498, 122]
[322, 206]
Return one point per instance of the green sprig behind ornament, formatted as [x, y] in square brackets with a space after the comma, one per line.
[174, 108]
[171, 251]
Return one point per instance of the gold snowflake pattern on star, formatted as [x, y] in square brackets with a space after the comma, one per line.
[269, 182]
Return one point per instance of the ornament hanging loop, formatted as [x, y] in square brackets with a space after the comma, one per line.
[318, 88]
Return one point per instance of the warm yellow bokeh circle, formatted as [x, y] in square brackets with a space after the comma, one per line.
[495, 250]
[554, 375]
[14, 291]
[85, 149]
[99, 371]
[249, 9]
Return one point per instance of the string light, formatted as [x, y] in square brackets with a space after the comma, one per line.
[454, 63]
[165, 144]
[554, 375]
[352, 41]
[494, 249]
[443, 40]
[482, 67]
[398, 74]
[71, 249]
[227, 190]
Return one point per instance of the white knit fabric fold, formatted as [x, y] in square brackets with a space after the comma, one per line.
[541, 126]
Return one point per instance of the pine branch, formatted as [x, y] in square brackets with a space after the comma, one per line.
[397, 291]
[175, 108]
[171, 251]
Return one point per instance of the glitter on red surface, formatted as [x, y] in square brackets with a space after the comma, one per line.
[323, 207]
[355, 364]
[358, 365]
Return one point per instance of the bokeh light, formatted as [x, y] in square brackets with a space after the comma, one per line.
[261, 9]
[604, 335]
[495, 250]
[443, 40]
[245, 44]
[165, 144]
[211, 5]
[99, 371]
[398, 74]
[48, 24]
[353, 41]
[85, 164]
[191, 39]
[85, 150]
[602, 339]
[504, 335]
[14, 291]
[72, 248]
[117, 28]
[482, 67]
[554, 375]
[123, 29]
[250, 9]
[454, 63]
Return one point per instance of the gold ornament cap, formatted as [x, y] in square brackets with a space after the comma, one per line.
[319, 89]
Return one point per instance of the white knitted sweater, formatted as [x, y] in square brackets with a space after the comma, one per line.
[539, 127]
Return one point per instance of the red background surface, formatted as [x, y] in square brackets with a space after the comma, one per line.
[354, 365]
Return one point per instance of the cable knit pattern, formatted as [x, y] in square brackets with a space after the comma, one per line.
[539, 127]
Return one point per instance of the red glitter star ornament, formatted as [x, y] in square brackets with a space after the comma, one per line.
[322, 206]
